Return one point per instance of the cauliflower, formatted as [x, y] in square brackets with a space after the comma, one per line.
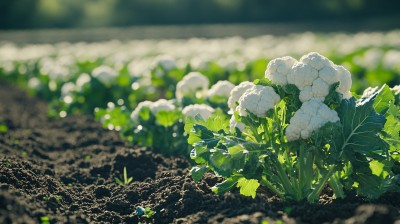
[159, 105]
[258, 100]
[104, 74]
[82, 81]
[194, 82]
[203, 110]
[313, 75]
[67, 89]
[278, 69]
[140, 106]
[235, 124]
[166, 62]
[221, 88]
[311, 116]
[237, 92]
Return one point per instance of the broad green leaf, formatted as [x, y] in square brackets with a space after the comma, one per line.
[221, 161]
[377, 168]
[383, 99]
[360, 128]
[248, 187]
[369, 185]
[198, 172]
[225, 186]
[168, 118]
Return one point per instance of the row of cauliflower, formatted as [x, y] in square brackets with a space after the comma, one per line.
[313, 75]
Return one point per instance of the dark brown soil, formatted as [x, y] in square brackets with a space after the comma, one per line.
[64, 170]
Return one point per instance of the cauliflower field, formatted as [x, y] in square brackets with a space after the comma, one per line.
[232, 130]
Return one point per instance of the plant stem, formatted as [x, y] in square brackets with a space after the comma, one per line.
[337, 187]
[317, 191]
[283, 176]
[268, 184]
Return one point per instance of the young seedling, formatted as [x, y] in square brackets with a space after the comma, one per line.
[145, 212]
[126, 181]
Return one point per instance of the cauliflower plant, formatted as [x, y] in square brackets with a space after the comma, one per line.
[155, 107]
[237, 92]
[313, 75]
[166, 62]
[203, 110]
[161, 105]
[105, 74]
[139, 107]
[258, 100]
[311, 116]
[220, 89]
[194, 82]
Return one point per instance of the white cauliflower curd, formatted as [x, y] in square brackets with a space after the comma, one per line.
[161, 105]
[221, 88]
[105, 74]
[203, 110]
[312, 115]
[313, 75]
[166, 62]
[258, 100]
[278, 69]
[192, 83]
[237, 92]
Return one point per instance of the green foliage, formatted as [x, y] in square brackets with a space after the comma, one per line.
[126, 180]
[144, 212]
[350, 154]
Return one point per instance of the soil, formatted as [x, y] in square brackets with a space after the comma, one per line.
[64, 170]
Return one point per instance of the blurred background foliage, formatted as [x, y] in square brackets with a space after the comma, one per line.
[30, 14]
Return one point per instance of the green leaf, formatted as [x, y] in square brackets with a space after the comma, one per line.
[361, 126]
[168, 118]
[248, 187]
[198, 172]
[377, 168]
[144, 114]
[383, 99]
[262, 82]
[221, 161]
[225, 186]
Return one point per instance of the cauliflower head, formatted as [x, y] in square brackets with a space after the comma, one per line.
[203, 110]
[311, 116]
[194, 82]
[237, 92]
[221, 88]
[258, 100]
[313, 75]
[105, 74]
[167, 62]
[161, 105]
[278, 69]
